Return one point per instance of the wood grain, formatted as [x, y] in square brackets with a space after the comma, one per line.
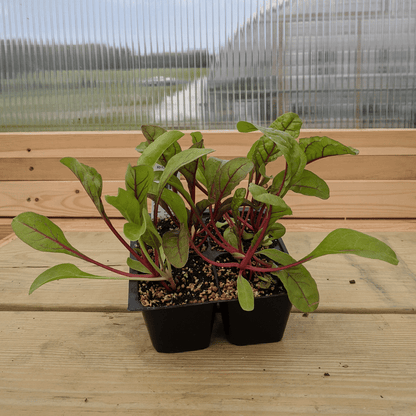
[378, 286]
[103, 363]
[349, 199]
[99, 144]
[291, 224]
[114, 168]
[5, 231]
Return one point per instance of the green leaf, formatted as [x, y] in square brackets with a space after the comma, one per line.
[237, 200]
[293, 153]
[138, 181]
[69, 271]
[260, 194]
[288, 122]
[212, 169]
[345, 241]
[301, 288]
[151, 235]
[178, 161]
[263, 152]
[245, 294]
[319, 147]
[90, 179]
[279, 212]
[154, 151]
[229, 176]
[246, 127]
[176, 246]
[189, 170]
[140, 148]
[151, 133]
[196, 136]
[312, 185]
[230, 237]
[134, 231]
[276, 231]
[127, 204]
[298, 282]
[137, 266]
[175, 202]
[40, 233]
[154, 132]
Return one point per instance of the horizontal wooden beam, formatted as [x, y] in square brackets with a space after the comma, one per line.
[123, 143]
[114, 168]
[349, 199]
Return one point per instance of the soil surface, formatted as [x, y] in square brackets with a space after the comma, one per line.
[200, 282]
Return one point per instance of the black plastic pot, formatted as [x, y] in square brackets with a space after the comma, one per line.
[266, 323]
[189, 327]
[175, 328]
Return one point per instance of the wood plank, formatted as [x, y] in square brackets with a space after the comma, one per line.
[103, 363]
[5, 231]
[378, 286]
[76, 144]
[291, 224]
[114, 168]
[349, 199]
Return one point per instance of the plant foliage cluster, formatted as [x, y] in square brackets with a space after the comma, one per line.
[241, 220]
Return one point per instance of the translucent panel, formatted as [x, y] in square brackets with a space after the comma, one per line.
[197, 64]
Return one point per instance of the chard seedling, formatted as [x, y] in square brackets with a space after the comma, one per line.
[240, 220]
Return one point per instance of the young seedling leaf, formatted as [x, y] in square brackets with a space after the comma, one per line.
[90, 179]
[151, 235]
[288, 122]
[176, 204]
[137, 266]
[152, 133]
[260, 194]
[70, 271]
[312, 185]
[138, 181]
[176, 246]
[229, 176]
[298, 282]
[245, 294]
[276, 231]
[134, 231]
[230, 237]
[189, 170]
[263, 152]
[319, 147]
[301, 288]
[154, 151]
[40, 233]
[345, 241]
[293, 153]
[129, 207]
[196, 137]
[177, 162]
[246, 127]
[237, 200]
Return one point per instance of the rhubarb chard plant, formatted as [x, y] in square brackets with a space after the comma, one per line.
[240, 220]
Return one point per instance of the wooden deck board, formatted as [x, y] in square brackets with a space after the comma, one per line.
[378, 286]
[103, 363]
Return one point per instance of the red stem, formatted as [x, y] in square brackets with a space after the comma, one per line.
[125, 244]
[283, 181]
